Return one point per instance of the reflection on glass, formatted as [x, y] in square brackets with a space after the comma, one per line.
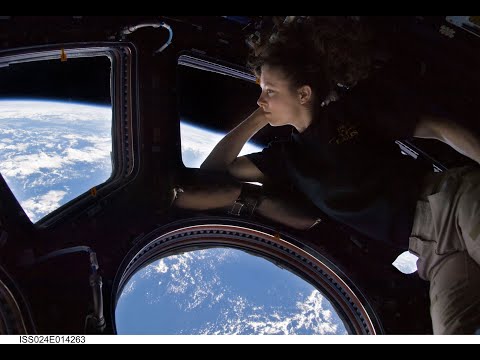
[222, 291]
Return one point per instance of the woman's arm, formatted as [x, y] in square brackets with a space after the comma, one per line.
[459, 138]
[206, 197]
[205, 190]
[227, 150]
[223, 195]
[287, 212]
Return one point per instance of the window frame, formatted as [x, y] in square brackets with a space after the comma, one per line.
[352, 307]
[125, 149]
[198, 61]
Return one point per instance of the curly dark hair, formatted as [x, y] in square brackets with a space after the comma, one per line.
[321, 51]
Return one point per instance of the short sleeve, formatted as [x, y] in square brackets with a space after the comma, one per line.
[271, 161]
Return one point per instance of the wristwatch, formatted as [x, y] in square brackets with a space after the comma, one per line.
[248, 200]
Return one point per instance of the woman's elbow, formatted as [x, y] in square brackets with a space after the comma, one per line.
[430, 127]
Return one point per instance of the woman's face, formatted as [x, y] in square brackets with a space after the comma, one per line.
[282, 105]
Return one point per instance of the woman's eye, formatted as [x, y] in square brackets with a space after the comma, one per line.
[270, 92]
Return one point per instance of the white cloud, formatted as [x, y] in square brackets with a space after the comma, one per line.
[39, 206]
[194, 281]
[161, 268]
[16, 147]
[179, 280]
[89, 154]
[25, 165]
[54, 112]
[7, 132]
[74, 137]
[242, 317]
[20, 147]
[45, 145]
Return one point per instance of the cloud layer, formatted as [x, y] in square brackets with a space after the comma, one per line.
[53, 152]
[211, 292]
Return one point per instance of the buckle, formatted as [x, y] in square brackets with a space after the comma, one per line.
[236, 208]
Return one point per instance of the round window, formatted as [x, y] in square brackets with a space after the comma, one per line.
[224, 279]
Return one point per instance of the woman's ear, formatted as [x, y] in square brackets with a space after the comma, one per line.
[304, 94]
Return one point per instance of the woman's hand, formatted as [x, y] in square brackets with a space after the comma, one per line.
[260, 116]
[227, 150]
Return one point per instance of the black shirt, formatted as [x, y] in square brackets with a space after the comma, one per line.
[348, 165]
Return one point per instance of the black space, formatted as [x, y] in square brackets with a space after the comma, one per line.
[82, 80]
[220, 102]
[214, 100]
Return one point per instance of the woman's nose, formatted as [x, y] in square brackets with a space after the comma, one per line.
[261, 102]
